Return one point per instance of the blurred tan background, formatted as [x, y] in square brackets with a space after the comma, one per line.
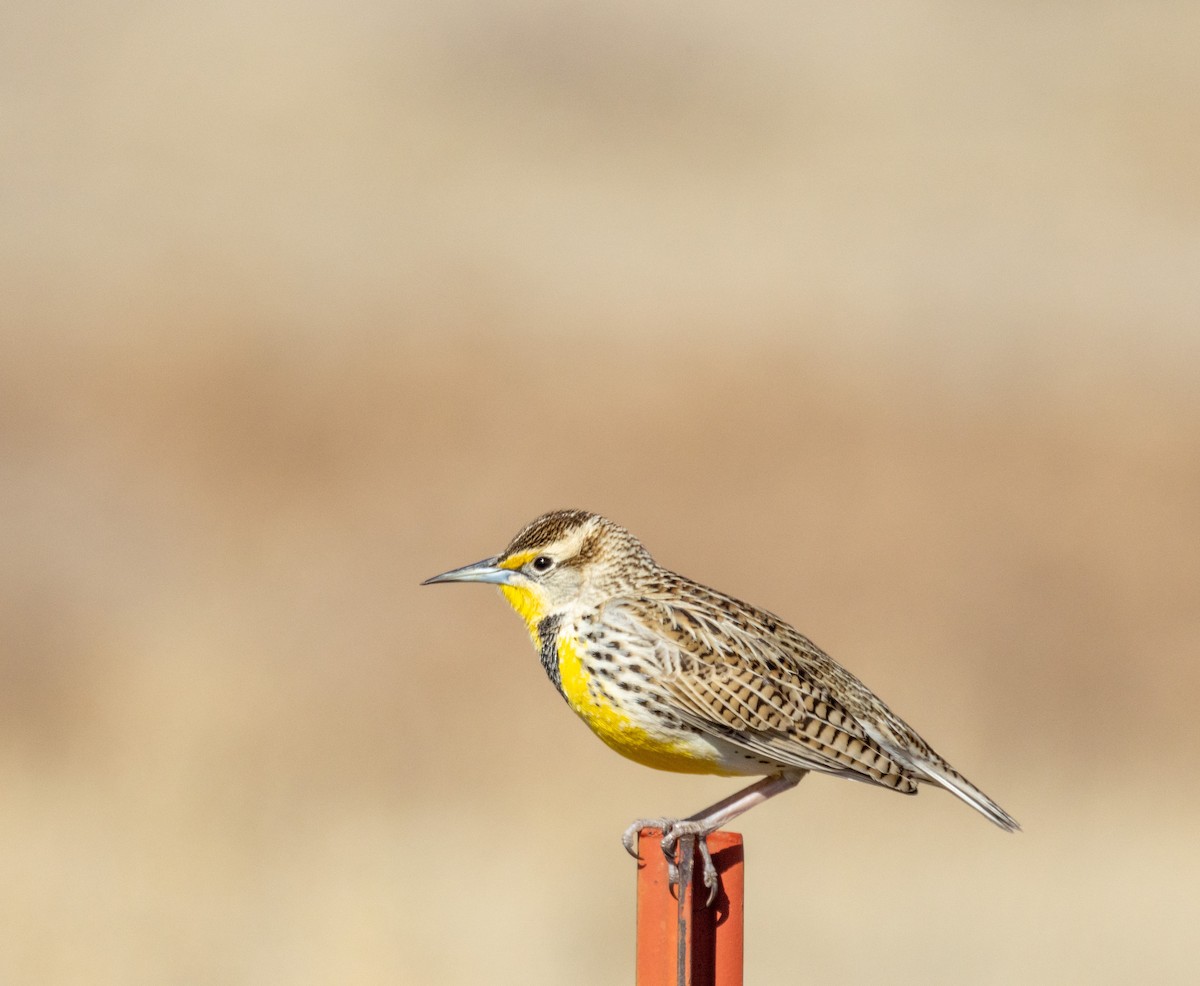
[885, 318]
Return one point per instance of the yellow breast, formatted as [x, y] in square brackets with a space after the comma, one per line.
[661, 748]
[648, 746]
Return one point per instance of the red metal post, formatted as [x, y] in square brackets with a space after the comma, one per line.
[712, 947]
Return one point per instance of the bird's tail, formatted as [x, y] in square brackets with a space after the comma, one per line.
[904, 745]
[946, 776]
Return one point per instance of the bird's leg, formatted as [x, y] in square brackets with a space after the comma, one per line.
[708, 820]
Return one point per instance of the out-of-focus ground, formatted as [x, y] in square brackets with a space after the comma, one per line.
[886, 319]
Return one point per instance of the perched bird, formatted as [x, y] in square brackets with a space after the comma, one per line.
[678, 676]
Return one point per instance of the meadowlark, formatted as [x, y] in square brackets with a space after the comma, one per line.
[678, 676]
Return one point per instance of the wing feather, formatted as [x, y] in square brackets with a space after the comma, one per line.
[759, 689]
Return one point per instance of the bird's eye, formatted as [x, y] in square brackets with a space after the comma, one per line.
[543, 563]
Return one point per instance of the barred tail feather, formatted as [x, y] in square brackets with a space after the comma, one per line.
[956, 784]
[928, 766]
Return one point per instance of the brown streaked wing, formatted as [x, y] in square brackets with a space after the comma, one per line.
[733, 674]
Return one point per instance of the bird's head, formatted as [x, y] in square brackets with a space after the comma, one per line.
[562, 558]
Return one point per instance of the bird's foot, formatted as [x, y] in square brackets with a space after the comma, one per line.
[675, 829]
[696, 833]
[629, 839]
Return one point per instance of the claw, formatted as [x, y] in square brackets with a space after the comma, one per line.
[673, 830]
[630, 836]
[709, 873]
[679, 829]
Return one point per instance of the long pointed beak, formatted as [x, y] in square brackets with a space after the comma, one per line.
[481, 571]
